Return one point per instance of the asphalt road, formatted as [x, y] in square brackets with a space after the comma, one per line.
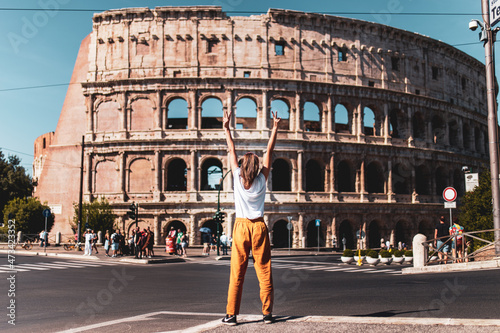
[53, 295]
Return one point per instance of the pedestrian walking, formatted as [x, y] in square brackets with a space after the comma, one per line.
[184, 244]
[94, 242]
[441, 241]
[224, 243]
[115, 238]
[178, 242]
[250, 231]
[88, 235]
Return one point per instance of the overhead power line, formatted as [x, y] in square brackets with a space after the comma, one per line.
[76, 10]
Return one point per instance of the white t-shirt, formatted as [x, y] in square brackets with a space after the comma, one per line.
[88, 237]
[249, 203]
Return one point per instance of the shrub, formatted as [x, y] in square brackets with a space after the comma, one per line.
[348, 253]
[385, 254]
[408, 253]
[363, 253]
[399, 253]
[372, 254]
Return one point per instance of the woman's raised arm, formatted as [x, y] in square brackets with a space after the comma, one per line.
[233, 159]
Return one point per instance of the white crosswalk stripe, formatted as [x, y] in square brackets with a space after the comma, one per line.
[45, 266]
[301, 265]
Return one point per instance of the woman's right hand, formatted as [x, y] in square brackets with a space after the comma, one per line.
[276, 119]
[227, 118]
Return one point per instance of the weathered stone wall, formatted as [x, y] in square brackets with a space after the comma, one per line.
[377, 121]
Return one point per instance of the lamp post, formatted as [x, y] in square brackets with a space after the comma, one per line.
[289, 227]
[218, 215]
[487, 35]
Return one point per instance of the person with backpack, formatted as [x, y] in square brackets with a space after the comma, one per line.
[115, 238]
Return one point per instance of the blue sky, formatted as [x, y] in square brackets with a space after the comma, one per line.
[39, 48]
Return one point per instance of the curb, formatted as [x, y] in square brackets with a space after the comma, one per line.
[457, 267]
[53, 254]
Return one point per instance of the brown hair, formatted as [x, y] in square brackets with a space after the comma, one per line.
[249, 169]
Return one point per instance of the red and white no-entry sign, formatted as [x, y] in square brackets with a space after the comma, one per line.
[449, 194]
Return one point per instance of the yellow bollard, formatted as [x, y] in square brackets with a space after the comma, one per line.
[360, 260]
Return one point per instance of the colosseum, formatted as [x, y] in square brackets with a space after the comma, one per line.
[377, 121]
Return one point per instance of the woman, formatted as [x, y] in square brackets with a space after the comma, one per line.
[250, 231]
[106, 243]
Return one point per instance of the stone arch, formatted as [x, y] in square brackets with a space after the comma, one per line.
[426, 227]
[107, 177]
[345, 176]
[398, 123]
[280, 234]
[346, 231]
[212, 225]
[281, 175]
[246, 113]
[176, 225]
[212, 112]
[374, 178]
[140, 176]
[343, 116]
[312, 234]
[422, 180]
[315, 176]
[371, 123]
[401, 178]
[142, 111]
[438, 129]
[312, 117]
[402, 233]
[282, 106]
[374, 235]
[419, 126]
[107, 116]
[466, 135]
[177, 114]
[176, 175]
[453, 133]
[441, 179]
[211, 173]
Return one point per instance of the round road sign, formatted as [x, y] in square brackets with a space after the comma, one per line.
[46, 212]
[449, 194]
[289, 226]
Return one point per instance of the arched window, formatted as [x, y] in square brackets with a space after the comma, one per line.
[280, 234]
[107, 117]
[466, 136]
[246, 114]
[422, 180]
[212, 225]
[395, 122]
[177, 114]
[106, 177]
[211, 113]
[477, 139]
[453, 133]
[402, 233]
[140, 176]
[283, 112]
[341, 119]
[438, 130]
[374, 235]
[314, 177]
[374, 178]
[345, 177]
[176, 175]
[312, 235]
[280, 176]
[441, 180]
[346, 235]
[141, 115]
[176, 225]
[401, 177]
[211, 174]
[369, 122]
[312, 117]
[418, 126]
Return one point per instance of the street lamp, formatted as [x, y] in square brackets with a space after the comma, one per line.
[487, 35]
[289, 227]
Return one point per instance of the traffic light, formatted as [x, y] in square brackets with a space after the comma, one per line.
[221, 217]
[132, 213]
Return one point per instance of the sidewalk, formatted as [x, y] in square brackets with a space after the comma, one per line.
[194, 253]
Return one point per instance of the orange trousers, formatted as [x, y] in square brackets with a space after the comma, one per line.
[250, 235]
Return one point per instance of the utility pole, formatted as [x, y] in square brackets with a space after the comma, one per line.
[492, 121]
[80, 196]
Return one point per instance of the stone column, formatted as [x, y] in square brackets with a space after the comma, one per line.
[89, 174]
[121, 166]
[262, 118]
[301, 238]
[330, 116]
[125, 111]
[392, 238]
[157, 184]
[192, 109]
[359, 121]
[159, 110]
[299, 187]
[157, 229]
[386, 123]
[89, 106]
[389, 191]
[192, 181]
[298, 114]
[192, 230]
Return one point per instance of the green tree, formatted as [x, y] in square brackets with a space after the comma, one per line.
[476, 209]
[14, 181]
[28, 215]
[100, 216]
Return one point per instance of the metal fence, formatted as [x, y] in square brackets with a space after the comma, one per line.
[473, 246]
